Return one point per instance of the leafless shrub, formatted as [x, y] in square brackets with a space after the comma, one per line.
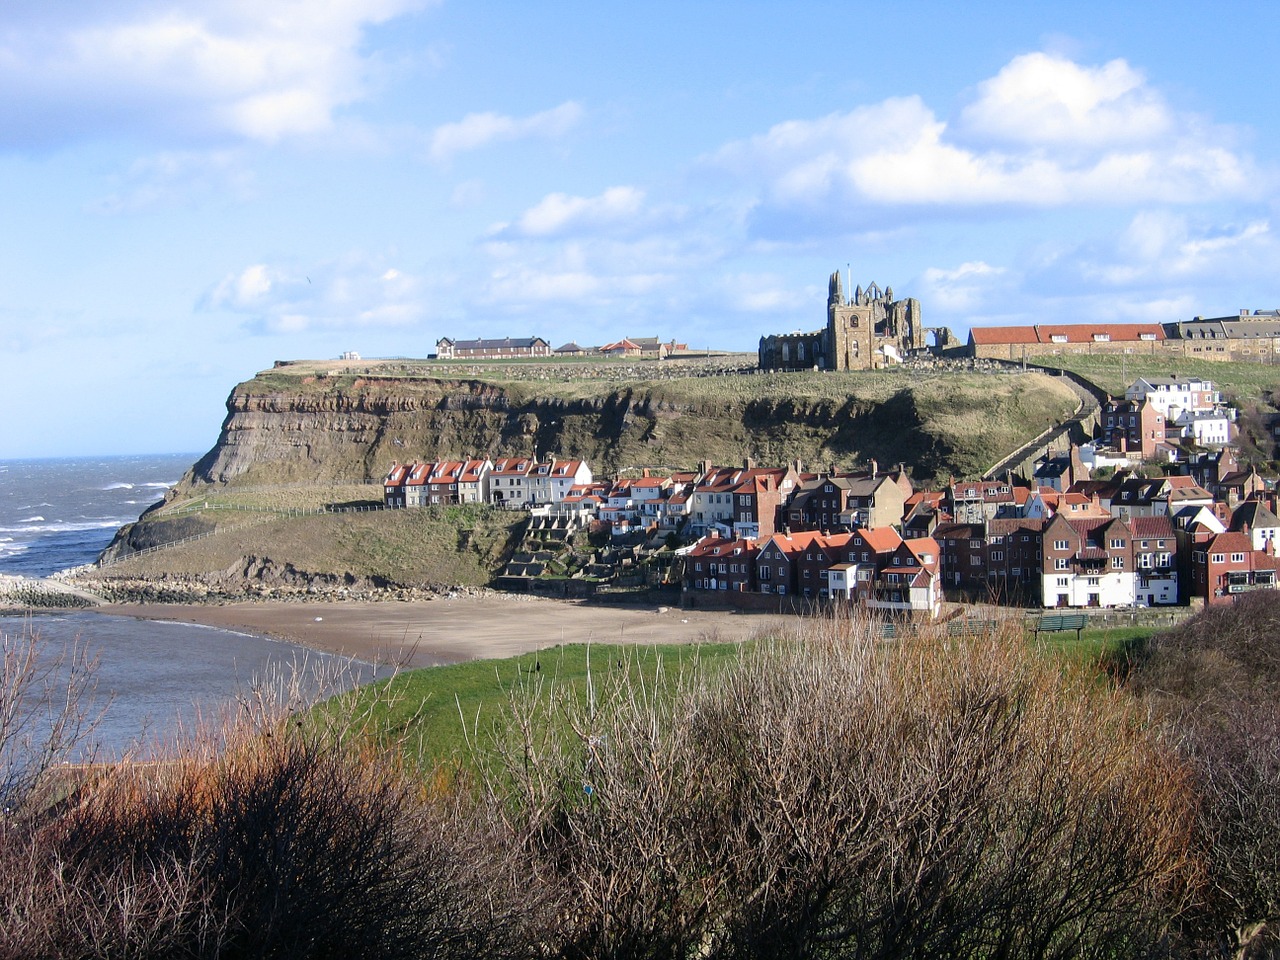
[47, 710]
[834, 796]
[292, 838]
[1213, 683]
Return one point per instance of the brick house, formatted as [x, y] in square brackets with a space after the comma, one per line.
[1087, 563]
[717, 564]
[1225, 565]
[1155, 552]
[1133, 426]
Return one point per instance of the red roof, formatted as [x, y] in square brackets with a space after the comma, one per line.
[1073, 332]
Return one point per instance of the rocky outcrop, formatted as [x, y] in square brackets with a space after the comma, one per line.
[296, 429]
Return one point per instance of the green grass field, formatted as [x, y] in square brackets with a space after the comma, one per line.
[1115, 373]
[434, 711]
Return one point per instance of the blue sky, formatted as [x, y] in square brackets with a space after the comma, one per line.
[192, 190]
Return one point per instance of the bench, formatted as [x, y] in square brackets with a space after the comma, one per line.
[1061, 622]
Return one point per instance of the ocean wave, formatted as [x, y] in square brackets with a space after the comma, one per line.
[33, 520]
[62, 526]
[117, 486]
[162, 486]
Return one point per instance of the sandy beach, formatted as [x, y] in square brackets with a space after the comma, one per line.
[430, 633]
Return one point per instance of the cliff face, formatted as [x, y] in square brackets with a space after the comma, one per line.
[291, 430]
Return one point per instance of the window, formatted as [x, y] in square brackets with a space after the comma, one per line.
[1237, 558]
[1218, 558]
[1061, 545]
[1117, 563]
[1061, 564]
[997, 556]
[764, 573]
[1117, 544]
[1063, 581]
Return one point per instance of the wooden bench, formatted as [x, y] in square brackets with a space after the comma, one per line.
[1061, 622]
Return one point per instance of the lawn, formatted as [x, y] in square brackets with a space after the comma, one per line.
[427, 709]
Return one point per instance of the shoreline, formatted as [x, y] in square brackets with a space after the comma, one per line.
[426, 633]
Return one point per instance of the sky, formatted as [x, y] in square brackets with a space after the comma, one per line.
[193, 189]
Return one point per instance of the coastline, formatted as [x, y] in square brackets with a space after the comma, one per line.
[437, 632]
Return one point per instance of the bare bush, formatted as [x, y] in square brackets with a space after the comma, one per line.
[1213, 683]
[291, 839]
[47, 710]
[838, 797]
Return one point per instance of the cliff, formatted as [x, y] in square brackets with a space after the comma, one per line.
[288, 426]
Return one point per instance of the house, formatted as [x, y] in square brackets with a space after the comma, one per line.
[1087, 563]
[1133, 426]
[1173, 395]
[1239, 485]
[997, 560]
[749, 497]
[975, 501]
[778, 562]
[1155, 551]
[1225, 565]
[550, 482]
[1205, 428]
[719, 564]
[509, 484]
[1060, 471]
[393, 485]
[622, 348]
[570, 349]
[1024, 342]
[505, 349]
[1254, 518]
[473, 481]
[910, 584]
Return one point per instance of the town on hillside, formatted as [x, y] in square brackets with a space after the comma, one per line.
[1156, 511]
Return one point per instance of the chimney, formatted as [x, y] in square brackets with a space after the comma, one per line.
[875, 469]
[704, 467]
[799, 465]
[645, 473]
[748, 463]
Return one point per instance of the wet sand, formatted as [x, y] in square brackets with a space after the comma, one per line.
[429, 633]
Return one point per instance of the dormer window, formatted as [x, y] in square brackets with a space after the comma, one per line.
[1101, 337]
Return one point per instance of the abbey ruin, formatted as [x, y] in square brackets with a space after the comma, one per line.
[869, 331]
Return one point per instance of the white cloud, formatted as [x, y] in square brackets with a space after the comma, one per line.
[560, 213]
[1040, 98]
[478, 130]
[260, 71]
[175, 178]
[961, 289]
[1067, 134]
[351, 293]
[1159, 246]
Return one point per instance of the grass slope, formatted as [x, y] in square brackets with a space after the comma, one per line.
[435, 710]
[432, 546]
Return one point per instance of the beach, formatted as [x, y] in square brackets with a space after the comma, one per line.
[434, 632]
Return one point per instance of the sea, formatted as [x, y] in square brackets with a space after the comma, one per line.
[154, 679]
